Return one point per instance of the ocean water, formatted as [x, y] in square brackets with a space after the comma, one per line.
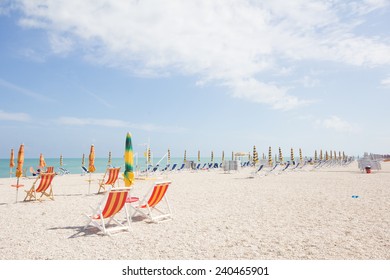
[74, 164]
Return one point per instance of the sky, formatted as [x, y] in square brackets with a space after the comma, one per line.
[208, 75]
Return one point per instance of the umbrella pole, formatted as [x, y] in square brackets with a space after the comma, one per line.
[10, 172]
[17, 190]
[89, 182]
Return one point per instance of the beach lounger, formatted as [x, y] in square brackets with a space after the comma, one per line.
[44, 187]
[173, 166]
[181, 167]
[84, 170]
[151, 204]
[165, 168]
[272, 169]
[111, 204]
[64, 171]
[111, 180]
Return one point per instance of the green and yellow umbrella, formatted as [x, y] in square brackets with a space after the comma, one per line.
[185, 156]
[149, 154]
[269, 156]
[300, 155]
[315, 155]
[169, 156]
[61, 160]
[255, 156]
[280, 156]
[212, 156]
[109, 159]
[129, 162]
[292, 155]
[11, 162]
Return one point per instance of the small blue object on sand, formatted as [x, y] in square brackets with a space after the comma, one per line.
[355, 196]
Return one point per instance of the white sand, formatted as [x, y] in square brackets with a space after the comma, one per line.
[295, 215]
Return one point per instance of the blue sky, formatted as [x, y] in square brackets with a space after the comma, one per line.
[195, 75]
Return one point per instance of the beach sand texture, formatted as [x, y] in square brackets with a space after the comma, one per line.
[294, 215]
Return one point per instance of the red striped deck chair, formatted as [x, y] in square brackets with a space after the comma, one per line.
[44, 187]
[112, 203]
[49, 169]
[152, 204]
[112, 174]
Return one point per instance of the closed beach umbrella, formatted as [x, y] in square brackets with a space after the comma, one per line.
[326, 155]
[335, 155]
[61, 160]
[292, 155]
[198, 156]
[300, 155]
[109, 158]
[42, 162]
[129, 162]
[19, 169]
[212, 156]
[11, 162]
[330, 154]
[263, 156]
[83, 160]
[91, 166]
[232, 155]
[269, 157]
[149, 156]
[255, 157]
[169, 155]
[223, 156]
[185, 156]
[321, 156]
[315, 155]
[280, 155]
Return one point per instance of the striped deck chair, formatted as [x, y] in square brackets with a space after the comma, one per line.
[150, 204]
[111, 180]
[111, 204]
[44, 187]
[49, 169]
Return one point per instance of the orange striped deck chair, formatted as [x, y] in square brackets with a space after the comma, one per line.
[112, 203]
[152, 203]
[112, 174]
[49, 169]
[44, 187]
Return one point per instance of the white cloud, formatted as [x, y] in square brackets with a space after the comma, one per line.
[338, 124]
[386, 82]
[73, 121]
[229, 43]
[19, 117]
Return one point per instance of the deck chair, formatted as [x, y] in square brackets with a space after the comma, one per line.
[173, 166]
[84, 170]
[49, 169]
[181, 167]
[111, 204]
[151, 203]
[112, 174]
[44, 187]
[64, 171]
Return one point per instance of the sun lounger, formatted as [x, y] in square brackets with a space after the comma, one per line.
[112, 174]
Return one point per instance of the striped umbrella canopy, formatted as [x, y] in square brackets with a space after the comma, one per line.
[91, 166]
[61, 160]
[42, 162]
[280, 155]
[129, 162]
[19, 168]
[255, 156]
[223, 156]
[83, 160]
[321, 156]
[169, 155]
[269, 157]
[300, 155]
[292, 154]
[315, 155]
[185, 156]
[198, 156]
[109, 158]
[212, 156]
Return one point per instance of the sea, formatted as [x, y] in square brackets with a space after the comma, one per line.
[73, 165]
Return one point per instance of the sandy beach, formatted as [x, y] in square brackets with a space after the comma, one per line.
[295, 215]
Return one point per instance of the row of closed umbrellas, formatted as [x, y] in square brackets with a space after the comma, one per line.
[128, 157]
